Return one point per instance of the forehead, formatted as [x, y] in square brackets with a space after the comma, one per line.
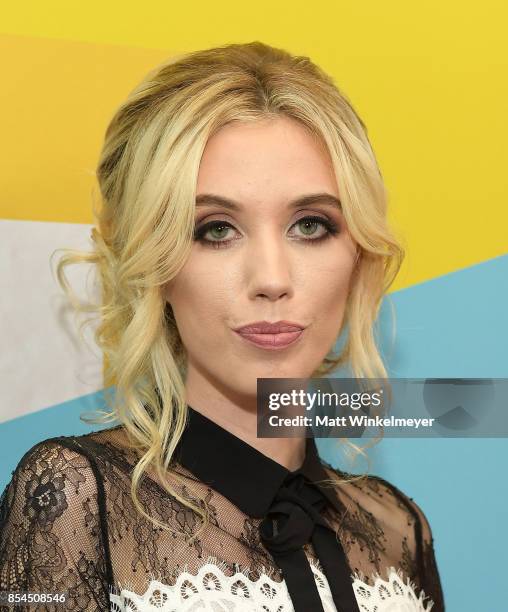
[279, 156]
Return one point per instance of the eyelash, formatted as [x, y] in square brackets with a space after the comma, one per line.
[332, 229]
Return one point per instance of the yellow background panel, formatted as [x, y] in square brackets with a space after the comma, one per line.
[428, 80]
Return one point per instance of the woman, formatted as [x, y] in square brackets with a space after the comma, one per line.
[242, 228]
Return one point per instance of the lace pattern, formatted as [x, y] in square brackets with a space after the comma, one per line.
[68, 524]
[212, 589]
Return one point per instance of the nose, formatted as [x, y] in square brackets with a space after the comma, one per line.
[269, 268]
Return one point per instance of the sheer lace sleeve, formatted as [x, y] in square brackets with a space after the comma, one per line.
[425, 568]
[428, 570]
[52, 530]
[383, 529]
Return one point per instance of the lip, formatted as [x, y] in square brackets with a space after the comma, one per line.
[271, 336]
[265, 327]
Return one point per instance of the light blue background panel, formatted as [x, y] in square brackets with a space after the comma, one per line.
[452, 326]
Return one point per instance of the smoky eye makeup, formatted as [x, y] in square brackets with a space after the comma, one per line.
[218, 231]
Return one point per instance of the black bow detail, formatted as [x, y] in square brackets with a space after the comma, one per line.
[293, 519]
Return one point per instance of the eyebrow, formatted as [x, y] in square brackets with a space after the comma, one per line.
[307, 200]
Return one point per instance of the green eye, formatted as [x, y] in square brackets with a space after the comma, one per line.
[218, 230]
[308, 225]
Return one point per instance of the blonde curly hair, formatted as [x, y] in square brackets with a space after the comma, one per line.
[143, 230]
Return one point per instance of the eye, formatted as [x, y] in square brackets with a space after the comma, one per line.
[309, 224]
[218, 230]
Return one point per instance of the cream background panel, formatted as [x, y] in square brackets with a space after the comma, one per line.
[42, 362]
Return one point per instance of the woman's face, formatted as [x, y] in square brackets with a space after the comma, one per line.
[261, 259]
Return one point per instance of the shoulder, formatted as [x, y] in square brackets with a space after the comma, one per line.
[51, 478]
[53, 454]
[381, 498]
[53, 525]
[72, 454]
[378, 512]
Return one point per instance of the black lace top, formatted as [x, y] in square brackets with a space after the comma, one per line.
[277, 541]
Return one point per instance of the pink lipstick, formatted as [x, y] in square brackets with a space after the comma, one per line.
[271, 336]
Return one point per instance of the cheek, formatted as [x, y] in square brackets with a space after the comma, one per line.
[200, 300]
[330, 282]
